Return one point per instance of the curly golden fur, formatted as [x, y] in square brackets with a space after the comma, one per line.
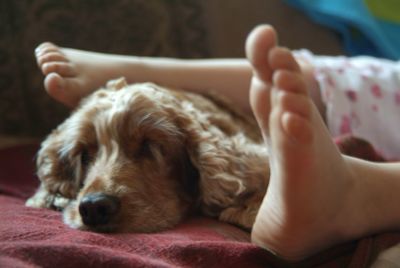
[155, 155]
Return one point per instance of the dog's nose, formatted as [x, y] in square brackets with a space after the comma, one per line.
[98, 208]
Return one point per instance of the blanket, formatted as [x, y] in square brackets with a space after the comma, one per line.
[38, 238]
[368, 27]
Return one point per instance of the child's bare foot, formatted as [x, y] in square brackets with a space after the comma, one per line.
[309, 204]
[73, 74]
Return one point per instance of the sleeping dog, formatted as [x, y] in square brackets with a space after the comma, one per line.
[140, 158]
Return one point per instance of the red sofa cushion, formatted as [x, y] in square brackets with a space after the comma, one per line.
[37, 237]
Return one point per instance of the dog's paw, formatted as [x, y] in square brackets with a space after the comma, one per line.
[60, 202]
[41, 199]
[44, 199]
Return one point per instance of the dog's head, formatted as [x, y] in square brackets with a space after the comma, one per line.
[119, 163]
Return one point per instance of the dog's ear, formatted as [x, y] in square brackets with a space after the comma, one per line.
[51, 173]
[232, 177]
[212, 157]
[56, 168]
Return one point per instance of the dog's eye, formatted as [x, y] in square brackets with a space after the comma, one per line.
[144, 150]
[85, 157]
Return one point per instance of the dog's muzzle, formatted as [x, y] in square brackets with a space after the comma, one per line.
[98, 209]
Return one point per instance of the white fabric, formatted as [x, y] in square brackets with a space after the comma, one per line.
[362, 96]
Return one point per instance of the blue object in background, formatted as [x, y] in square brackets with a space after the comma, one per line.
[368, 27]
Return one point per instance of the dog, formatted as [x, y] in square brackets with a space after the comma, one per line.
[142, 157]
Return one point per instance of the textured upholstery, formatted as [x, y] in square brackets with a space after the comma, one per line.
[172, 28]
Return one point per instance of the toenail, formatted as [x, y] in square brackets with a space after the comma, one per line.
[40, 48]
[40, 53]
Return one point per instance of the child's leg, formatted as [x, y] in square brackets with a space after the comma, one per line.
[72, 74]
[316, 197]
